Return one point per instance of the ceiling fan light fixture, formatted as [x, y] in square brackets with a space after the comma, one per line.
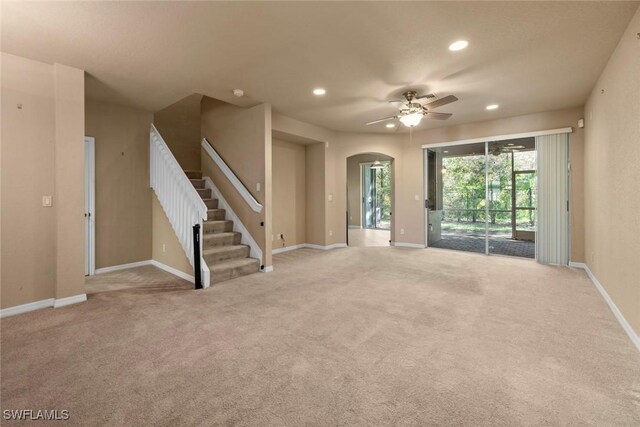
[411, 120]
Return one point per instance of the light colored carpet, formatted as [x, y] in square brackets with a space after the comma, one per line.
[367, 237]
[357, 336]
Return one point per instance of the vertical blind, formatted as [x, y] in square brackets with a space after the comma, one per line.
[552, 238]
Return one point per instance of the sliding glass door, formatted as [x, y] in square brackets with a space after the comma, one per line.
[482, 197]
[456, 202]
[376, 195]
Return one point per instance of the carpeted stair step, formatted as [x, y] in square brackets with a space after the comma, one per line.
[211, 203]
[218, 254]
[198, 183]
[221, 239]
[234, 268]
[193, 174]
[217, 226]
[216, 214]
[205, 193]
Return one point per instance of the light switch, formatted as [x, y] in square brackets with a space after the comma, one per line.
[330, 197]
[47, 201]
[416, 197]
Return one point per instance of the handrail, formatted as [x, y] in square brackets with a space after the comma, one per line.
[178, 197]
[226, 170]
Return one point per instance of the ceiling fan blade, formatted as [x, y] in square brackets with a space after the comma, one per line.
[440, 102]
[437, 116]
[427, 95]
[381, 120]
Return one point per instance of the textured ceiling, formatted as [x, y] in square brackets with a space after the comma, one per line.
[525, 56]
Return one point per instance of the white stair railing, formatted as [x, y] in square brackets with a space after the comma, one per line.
[233, 179]
[178, 197]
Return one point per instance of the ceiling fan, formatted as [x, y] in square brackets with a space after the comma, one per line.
[497, 149]
[412, 112]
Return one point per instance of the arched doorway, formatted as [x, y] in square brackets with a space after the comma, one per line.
[370, 199]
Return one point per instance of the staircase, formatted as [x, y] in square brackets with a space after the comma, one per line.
[222, 250]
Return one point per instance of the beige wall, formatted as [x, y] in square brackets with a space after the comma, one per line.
[42, 154]
[166, 247]
[612, 159]
[28, 150]
[242, 137]
[123, 209]
[315, 186]
[179, 125]
[289, 193]
[69, 179]
[316, 140]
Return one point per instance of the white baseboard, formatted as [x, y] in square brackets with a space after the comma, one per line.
[122, 266]
[612, 305]
[45, 303]
[407, 245]
[24, 308]
[287, 248]
[153, 262]
[61, 302]
[325, 248]
[174, 271]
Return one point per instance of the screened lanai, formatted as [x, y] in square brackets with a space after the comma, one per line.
[466, 186]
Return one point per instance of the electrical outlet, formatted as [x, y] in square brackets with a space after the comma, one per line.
[164, 247]
[416, 198]
[47, 201]
[330, 232]
[402, 231]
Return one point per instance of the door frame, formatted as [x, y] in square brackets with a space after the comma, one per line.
[90, 204]
[362, 202]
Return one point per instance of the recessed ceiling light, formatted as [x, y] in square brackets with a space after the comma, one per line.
[458, 45]
[319, 91]
[492, 107]
[390, 125]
